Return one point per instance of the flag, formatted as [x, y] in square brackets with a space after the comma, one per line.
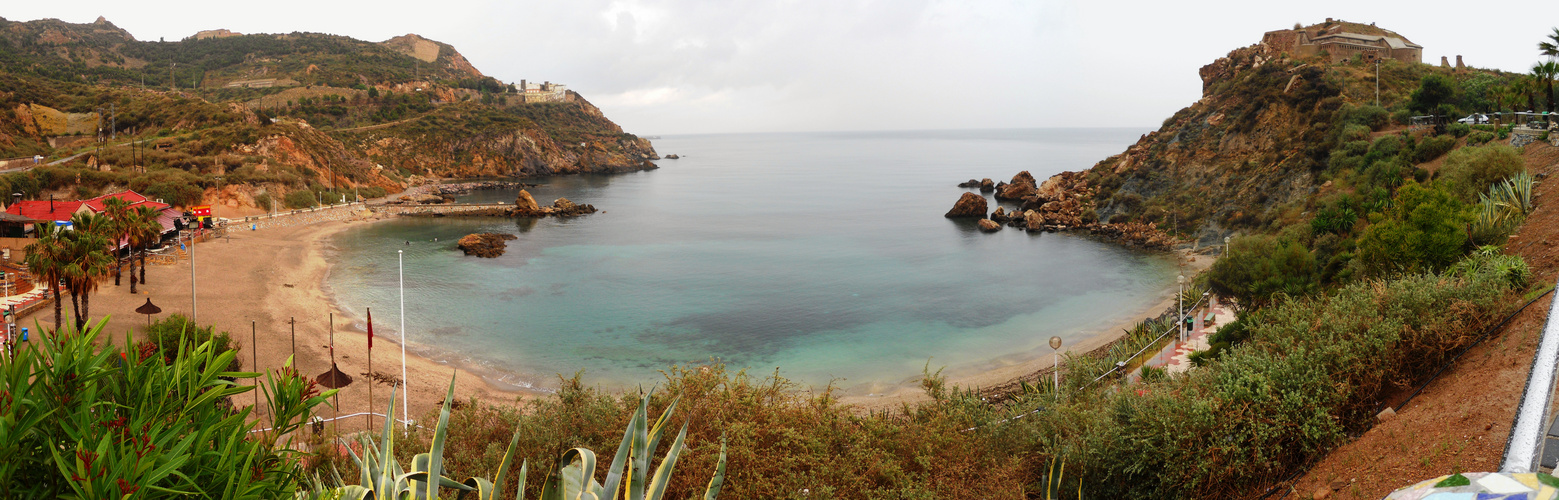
[370, 328]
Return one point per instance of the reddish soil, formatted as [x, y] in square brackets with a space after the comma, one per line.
[1461, 420]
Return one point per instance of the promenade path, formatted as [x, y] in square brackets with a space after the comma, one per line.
[1176, 357]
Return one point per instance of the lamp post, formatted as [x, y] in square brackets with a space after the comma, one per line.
[1055, 364]
[192, 304]
[1180, 299]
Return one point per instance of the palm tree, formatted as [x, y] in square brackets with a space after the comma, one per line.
[87, 258]
[1550, 47]
[1544, 73]
[45, 260]
[144, 230]
[117, 228]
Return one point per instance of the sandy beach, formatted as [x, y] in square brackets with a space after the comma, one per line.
[268, 276]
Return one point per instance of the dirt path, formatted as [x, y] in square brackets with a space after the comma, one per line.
[1461, 420]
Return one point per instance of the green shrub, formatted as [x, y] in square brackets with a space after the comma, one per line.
[1458, 129]
[1355, 133]
[263, 201]
[1480, 138]
[300, 199]
[1425, 229]
[166, 335]
[1470, 171]
[1432, 147]
[1258, 269]
[1311, 374]
[1374, 117]
[85, 419]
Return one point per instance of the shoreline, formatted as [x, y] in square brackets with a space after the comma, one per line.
[266, 277]
[292, 280]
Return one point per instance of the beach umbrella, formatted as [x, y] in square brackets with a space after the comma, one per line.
[148, 309]
[334, 378]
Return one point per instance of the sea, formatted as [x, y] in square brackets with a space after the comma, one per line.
[823, 256]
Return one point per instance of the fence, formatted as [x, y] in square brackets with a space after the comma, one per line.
[1527, 433]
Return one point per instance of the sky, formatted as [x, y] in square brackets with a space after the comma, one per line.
[680, 66]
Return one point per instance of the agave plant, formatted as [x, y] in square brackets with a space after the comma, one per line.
[382, 478]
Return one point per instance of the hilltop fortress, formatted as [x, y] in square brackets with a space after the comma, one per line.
[1343, 40]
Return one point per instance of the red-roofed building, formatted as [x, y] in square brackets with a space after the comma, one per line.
[46, 210]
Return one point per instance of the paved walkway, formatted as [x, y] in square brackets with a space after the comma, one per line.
[1176, 357]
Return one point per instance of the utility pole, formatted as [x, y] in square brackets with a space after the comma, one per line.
[173, 81]
[1377, 81]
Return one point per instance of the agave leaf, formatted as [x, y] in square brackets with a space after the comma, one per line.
[440, 435]
[614, 473]
[519, 491]
[503, 468]
[354, 492]
[573, 480]
[713, 491]
[660, 427]
[663, 473]
[638, 455]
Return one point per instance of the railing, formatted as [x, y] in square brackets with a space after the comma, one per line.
[1526, 434]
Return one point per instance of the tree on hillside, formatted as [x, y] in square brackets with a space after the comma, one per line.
[1545, 73]
[45, 261]
[1433, 90]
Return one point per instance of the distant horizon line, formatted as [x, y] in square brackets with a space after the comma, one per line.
[878, 131]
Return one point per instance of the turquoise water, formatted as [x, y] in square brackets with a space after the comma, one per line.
[825, 255]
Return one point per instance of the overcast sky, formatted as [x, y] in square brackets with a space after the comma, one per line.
[677, 66]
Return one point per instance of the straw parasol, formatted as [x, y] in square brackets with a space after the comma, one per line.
[334, 378]
[148, 309]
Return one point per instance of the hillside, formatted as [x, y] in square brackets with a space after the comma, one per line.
[1266, 143]
[242, 120]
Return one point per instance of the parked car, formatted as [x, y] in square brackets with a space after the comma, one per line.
[1474, 119]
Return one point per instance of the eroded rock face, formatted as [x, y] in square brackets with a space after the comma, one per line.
[487, 245]
[969, 205]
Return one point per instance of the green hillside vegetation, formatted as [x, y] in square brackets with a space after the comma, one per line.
[193, 143]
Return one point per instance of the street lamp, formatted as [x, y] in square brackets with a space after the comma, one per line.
[1055, 364]
[1180, 299]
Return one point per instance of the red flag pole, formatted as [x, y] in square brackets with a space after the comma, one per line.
[370, 414]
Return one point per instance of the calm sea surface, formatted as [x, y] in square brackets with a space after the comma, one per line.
[825, 255]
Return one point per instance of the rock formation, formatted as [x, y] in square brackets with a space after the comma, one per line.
[525, 206]
[989, 226]
[968, 205]
[487, 245]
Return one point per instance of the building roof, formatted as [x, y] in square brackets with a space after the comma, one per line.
[44, 210]
[135, 199]
[10, 218]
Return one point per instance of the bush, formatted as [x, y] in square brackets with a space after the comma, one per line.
[165, 335]
[1310, 375]
[1470, 171]
[1458, 129]
[1425, 229]
[1479, 138]
[263, 201]
[1258, 269]
[1432, 147]
[85, 419]
[300, 199]
[1374, 117]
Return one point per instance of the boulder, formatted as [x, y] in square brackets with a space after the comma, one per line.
[564, 208]
[971, 183]
[1000, 215]
[1016, 191]
[487, 245]
[986, 185]
[525, 204]
[1024, 177]
[989, 226]
[969, 205]
[1033, 221]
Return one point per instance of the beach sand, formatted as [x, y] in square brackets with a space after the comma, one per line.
[268, 277]
[275, 274]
